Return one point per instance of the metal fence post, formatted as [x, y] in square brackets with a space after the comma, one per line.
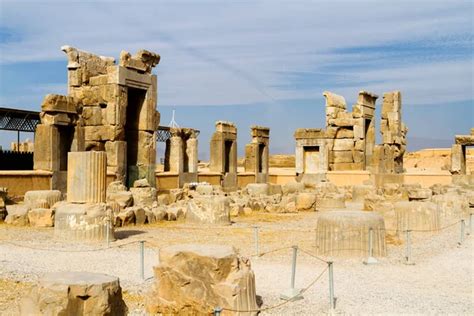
[331, 286]
[292, 294]
[370, 257]
[217, 311]
[142, 259]
[408, 250]
[461, 238]
[257, 248]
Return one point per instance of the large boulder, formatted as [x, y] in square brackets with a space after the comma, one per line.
[121, 198]
[17, 215]
[42, 198]
[208, 210]
[419, 194]
[331, 200]
[144, 196]
[74, 293]
[194, 279]
[204, 189]
[306, 201]
[41, 217]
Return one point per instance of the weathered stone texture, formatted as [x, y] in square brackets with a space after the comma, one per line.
[194, 279]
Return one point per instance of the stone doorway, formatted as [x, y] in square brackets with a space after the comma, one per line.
[311, 159]
[135, 104]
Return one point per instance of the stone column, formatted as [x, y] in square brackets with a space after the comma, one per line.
[86, 177]
[192, 153]
[176, 154]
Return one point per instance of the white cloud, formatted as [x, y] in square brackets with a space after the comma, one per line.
[216, 53]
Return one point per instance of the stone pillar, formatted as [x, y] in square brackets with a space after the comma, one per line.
[458, 160]
[46, 154]
[176, 153]
[192, 153]
[86, 177]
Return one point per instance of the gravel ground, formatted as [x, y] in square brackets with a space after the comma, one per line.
[441, 281]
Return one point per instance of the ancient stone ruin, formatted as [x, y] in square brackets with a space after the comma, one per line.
[110, 108]
[257, 154]
[348, 141]
[223, 151]
[181, 155]
[458, 152]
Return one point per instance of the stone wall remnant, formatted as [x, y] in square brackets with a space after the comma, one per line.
[109, 108]
[223, 151]
[257, 153]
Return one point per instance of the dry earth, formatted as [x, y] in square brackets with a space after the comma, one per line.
[441, 281]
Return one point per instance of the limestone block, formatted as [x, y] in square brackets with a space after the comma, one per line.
[342, 122]
[92, 115]
[419, 194]
[372, 201]
[58, 103]
[343, 144]
[142, 61]
[98, 80]
[217, 273]
[36, 199]
[41, 217]
[331, 200]
[204, 189]
[275, 189]
[17, 215]
[46, 154]
[116, 153]
[358, 156]
[122, 198]
[140, 214]
[359, 145]
[292, 187]
[347, 166]
[86, 177]
[334, 100]
[125, 218]
[144, 196]
[340, 156]
[458, 163]
[305, 201]
[208, 210]
[361, 191]
[344, 133]
[104, 133]
[359, 132]
[74, 293]
[55, 119]
[452, 207]
[346, 233]
[146, 117]
[257, 189]
[82, 222]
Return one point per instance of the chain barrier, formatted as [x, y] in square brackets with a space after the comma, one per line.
[279, 304]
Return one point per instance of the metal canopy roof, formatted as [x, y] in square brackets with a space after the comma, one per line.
[18, 120]
[26, 121]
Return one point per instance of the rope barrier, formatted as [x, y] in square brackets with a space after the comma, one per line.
[69, 250]
[311, 255]
[279, 304]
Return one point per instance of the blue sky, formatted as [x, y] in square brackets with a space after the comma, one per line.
[257, 62]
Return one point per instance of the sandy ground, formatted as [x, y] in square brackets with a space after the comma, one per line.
[441, 281]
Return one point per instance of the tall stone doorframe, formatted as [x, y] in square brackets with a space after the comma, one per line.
[181, 154]
[459, 153]
[311, 154]
[388, 156]
[109, 108]
[223, 153]
[257, 153]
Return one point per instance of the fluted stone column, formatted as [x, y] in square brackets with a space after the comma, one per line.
[192, 152]
[86, 177]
